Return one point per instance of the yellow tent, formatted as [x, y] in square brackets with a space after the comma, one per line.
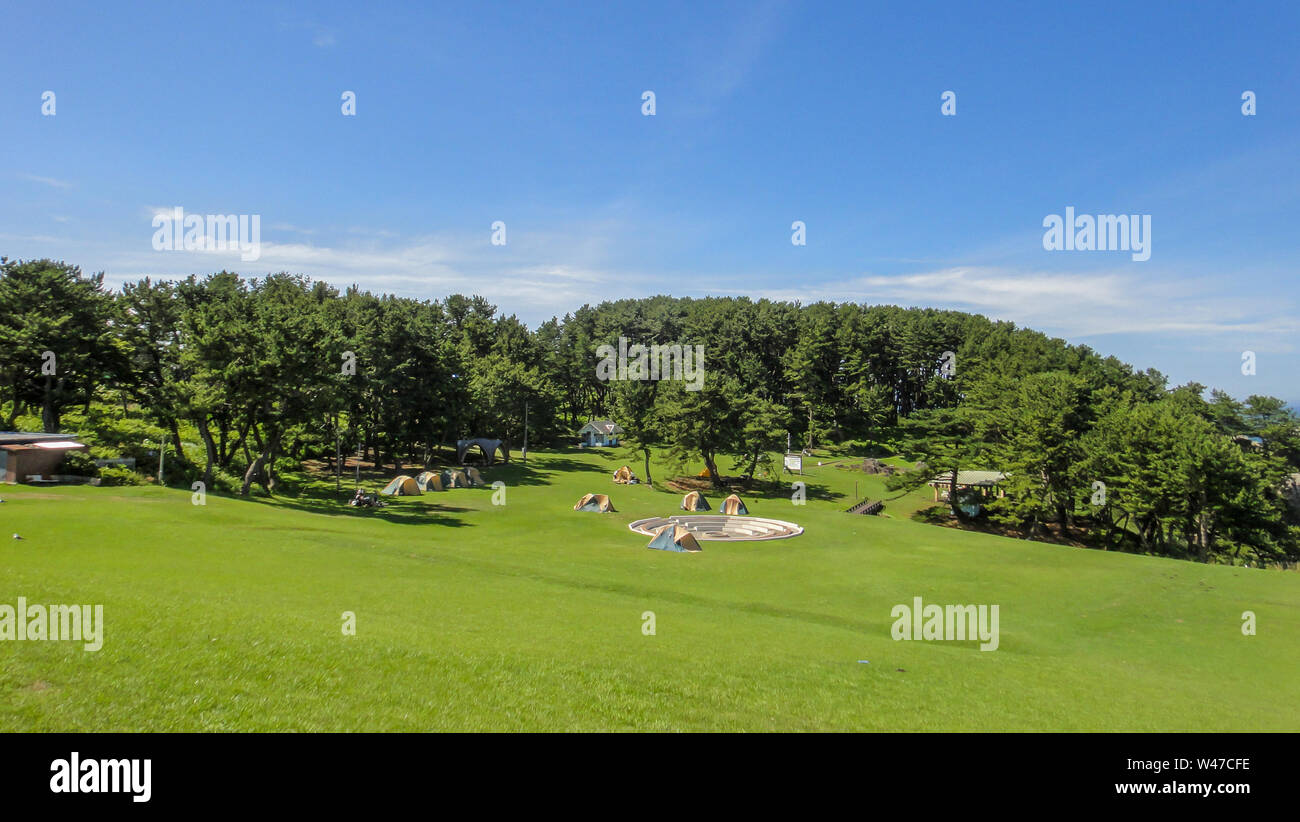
[402, 486]
[694, 502]
[732, 506]
[475, 478]
[674, 538]
[595, 502]
[458, 480]
[623, 475]
[429, 481]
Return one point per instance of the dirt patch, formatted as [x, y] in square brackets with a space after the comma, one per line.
[1052, 532]
[704, 485]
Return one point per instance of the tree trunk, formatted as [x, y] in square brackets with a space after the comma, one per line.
[648, 480]
[209, 447]
[952, 495]
[253, 471]
[176, 437]
[713, 470]
[262, 468]
[10, 421]
[48, 422]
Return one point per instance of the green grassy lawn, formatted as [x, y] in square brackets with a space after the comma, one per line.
[529, 616]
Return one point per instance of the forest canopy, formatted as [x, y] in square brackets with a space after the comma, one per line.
[284, 368]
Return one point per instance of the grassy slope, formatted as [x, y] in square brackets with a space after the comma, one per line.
[528, 616]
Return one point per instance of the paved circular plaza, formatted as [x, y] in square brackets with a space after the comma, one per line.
[721, 527]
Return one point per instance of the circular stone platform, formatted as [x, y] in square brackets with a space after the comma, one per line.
[721, 527]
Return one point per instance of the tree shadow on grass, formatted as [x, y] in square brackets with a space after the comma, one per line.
[313, 499]
[515, 473]
[782, 489]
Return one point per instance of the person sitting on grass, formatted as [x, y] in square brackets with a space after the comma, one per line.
[363, 500]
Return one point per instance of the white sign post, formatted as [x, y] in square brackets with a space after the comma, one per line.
[794, 463]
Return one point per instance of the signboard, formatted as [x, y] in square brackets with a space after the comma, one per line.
[794, 463]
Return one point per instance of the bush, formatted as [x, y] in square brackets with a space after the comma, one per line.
[119, 475]
[78, 464]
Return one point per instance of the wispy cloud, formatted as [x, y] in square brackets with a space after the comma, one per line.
[48, 181]
[535, 276]
[1075, 305]
[740, 51]
[321, 36]
[291, 228]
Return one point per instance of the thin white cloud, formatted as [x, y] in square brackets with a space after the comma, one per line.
[321, 36]
[535, 276]
[1075, 305]
[290, 227]
[48, 181]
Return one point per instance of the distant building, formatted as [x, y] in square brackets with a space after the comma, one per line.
[600, 433]
[27, 457]
[972, 486]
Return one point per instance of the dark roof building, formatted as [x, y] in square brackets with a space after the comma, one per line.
[32, 457]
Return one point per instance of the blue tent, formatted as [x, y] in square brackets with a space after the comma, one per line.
[674, 538]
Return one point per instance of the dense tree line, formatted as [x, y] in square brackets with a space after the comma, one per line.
[282, 367]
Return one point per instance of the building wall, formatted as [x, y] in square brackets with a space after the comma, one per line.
[20, 463]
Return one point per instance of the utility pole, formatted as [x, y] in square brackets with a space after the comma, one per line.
[525, 432]
[162, 449]
[338, 460]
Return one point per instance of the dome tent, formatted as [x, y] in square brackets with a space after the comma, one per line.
[595, 502]
[734, 506]
[695, 501]
[489, 447]
[403, 485]
[429, 481]
[674, 538]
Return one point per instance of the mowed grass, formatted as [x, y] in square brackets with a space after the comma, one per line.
[528, 616]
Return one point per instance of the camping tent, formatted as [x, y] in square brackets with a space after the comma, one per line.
[695, 501]
[623, 475]
[401, 486]
[452, 478]
[733, 506]
[429, 481]
[489, 449]
[674, 538]
[595, 502]
[475, 478]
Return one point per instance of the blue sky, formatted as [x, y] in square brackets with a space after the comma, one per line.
[766, 113]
